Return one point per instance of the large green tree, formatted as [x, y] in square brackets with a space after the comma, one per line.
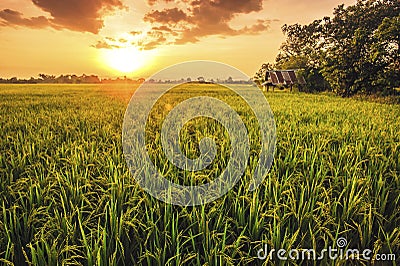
[385, 53]
[302, 50]
[357, 50]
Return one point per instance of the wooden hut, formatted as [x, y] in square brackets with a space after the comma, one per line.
[287, 78]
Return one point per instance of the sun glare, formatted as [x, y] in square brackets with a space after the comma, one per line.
[125, 60]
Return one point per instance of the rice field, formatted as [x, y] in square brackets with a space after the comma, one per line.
[67, 197]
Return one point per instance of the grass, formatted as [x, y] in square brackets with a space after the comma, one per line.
[67, 197]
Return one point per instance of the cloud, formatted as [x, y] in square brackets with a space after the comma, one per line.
[153, 2]
[75, 15]
[153, 44]
[196, 19]
[105, 45]
[162, 28]
[172, 15]
[135, 32]
[14, 18]
[232, 6]
[260, 26]
[166, 30]
[112, 43]
[153, 39]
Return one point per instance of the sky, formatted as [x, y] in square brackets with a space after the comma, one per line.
[111, 38]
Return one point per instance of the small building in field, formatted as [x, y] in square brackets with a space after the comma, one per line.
[286, 78]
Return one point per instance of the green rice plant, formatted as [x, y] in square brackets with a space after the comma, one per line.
[67, 197]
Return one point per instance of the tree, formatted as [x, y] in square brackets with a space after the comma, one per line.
[355, 51]
[385, 53]
[259, 77]
[303, 50]
[229, 80]
[349, 44]
[47, 78]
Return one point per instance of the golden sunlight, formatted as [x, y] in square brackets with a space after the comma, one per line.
[125, 60]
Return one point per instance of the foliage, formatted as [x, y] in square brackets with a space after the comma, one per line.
[67, 198]
[69, 79]
[355, 51]
[259, 77]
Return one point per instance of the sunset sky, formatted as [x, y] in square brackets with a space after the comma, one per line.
[136, 38]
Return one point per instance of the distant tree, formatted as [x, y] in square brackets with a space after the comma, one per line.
[92, 79]
[63, 79]
[32, 80]
[47, 78]
[75, 79]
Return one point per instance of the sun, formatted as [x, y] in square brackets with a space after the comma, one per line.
[125, 60]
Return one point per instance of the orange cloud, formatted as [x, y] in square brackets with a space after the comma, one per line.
[75, 15]
[172, 15]
[154, 39]
[205, 18]
[135, 32]
[153, 2]
[14, 18]
[105, 45]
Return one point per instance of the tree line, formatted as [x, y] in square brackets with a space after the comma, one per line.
[357, 50]
[93, 79]
[69, 79]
